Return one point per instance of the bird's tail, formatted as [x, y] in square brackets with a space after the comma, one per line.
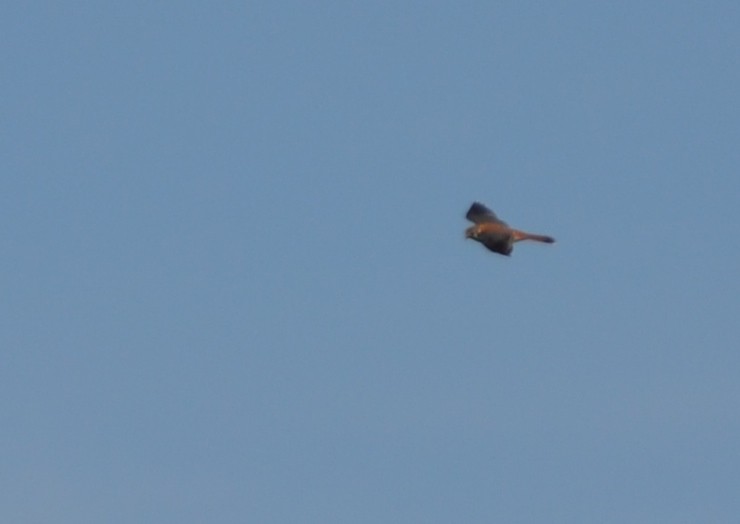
[522, 235]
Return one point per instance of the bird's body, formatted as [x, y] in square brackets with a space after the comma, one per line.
[494, 233]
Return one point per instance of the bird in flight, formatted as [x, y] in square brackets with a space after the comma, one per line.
[494, 233]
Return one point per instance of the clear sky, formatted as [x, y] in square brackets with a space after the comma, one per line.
[235, 286]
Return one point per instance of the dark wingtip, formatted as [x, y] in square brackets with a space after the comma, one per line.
[479, 213]
[477, 208]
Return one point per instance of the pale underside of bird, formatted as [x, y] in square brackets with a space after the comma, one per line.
[496, 234]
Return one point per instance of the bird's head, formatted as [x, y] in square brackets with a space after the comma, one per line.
[471, 232]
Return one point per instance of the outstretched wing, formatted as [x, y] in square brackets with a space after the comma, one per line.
[480, 214]
[498, 244]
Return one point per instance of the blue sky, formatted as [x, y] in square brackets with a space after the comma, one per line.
[236, 287]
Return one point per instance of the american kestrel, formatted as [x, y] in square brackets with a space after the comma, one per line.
[494, 233]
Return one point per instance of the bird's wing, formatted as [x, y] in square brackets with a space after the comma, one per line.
[480, 214]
